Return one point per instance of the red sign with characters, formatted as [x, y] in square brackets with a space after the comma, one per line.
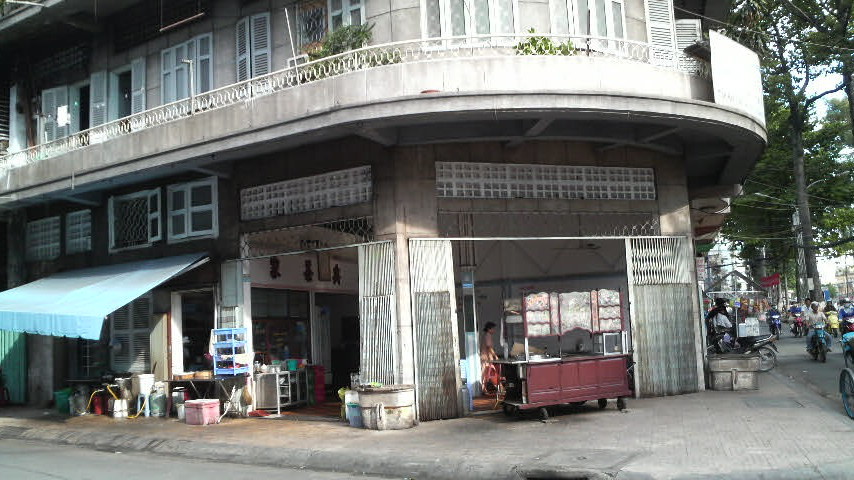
[771, 281]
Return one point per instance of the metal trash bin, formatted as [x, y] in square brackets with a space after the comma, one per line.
[734, 371]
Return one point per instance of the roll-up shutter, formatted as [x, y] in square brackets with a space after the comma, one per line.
[660, 31]
[434, 318]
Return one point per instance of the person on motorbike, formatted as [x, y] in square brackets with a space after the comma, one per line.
[846, 314]
[772, 316]
[718, 321]
[832, 319]
[813, 317]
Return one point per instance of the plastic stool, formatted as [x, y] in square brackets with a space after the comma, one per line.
[143, 398]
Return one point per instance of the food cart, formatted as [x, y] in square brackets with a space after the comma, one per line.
[537, 381]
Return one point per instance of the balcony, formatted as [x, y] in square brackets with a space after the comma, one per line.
[392, 92]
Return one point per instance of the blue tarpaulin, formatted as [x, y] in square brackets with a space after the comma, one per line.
[74, 303]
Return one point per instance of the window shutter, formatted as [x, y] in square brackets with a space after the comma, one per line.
[242, 32]
[154, 233]
[61, 101]
[182, 89]
[137, 85]
[140, 341]
[48, 115]
[660, 31]
[74, 110]
[98, 98]
[120, 331]
[167, 76]
[260, 42]
[688, 31]
[203, 63]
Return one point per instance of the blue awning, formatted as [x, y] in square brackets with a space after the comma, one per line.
[74, 303]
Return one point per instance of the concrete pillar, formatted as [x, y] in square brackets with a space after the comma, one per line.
[405, 207]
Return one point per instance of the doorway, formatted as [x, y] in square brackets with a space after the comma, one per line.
[197, 321]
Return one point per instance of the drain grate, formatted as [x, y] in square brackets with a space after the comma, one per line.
[772, 402]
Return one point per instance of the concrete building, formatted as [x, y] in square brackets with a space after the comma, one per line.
[371, 210]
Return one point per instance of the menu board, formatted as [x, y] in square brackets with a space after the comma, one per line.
[558, 313]
[537, 307]
[575, 311]
[610, 311]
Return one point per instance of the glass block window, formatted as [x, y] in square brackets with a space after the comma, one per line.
[43, 239]
[134, 219]
[342, 187]
[488, 180]
[192, 209]
[78, 231]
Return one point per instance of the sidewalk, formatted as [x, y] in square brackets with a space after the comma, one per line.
[780, 431]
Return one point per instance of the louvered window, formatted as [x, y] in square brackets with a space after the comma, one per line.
[688, 32]
[253, 46]
[130, 331]
[597, 18]
[175, 72]
[55, 115]
[78, 231]
[446, 18]
[43, 239]
[660, 31]
[134, 219]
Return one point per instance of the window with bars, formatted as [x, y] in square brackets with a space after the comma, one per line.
[311, 20]
[134, 219]
[342, 187]
[43, 239]
[78, 231]
[486, 180]
[192, 209]
[447, 18]
[130, 330]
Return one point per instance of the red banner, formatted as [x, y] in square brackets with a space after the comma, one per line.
[771, 280]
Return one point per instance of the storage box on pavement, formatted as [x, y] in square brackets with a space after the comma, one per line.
[201, 412]
[734, 372]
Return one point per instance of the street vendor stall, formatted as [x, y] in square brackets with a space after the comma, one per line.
[539, 380]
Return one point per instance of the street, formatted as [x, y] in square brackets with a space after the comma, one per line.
[794, 362]
[20, 460]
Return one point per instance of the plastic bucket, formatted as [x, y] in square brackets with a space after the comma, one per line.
[180, 408]
[60, 400]
[142, 383]
[354, 414]
[293, 365]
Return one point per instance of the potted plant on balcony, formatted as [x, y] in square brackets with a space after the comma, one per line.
[540, 45]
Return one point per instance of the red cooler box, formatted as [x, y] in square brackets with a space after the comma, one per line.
[201, 412]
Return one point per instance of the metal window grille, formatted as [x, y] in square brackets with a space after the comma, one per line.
[342, 187]
[311, 23]
[485, 180]
[78, 231]
[134, 219]
[335, 233]
[43, 239]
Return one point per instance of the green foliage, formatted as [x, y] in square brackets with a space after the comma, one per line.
[543, 46]
[342, 40]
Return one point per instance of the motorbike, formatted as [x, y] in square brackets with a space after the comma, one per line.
[798, 325]
[820, 343]
[723, 342]
[848, 349]
[847, 325]
[774, 325]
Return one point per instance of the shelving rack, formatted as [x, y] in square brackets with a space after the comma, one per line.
[229, 342]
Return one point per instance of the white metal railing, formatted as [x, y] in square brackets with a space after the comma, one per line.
[481, 46]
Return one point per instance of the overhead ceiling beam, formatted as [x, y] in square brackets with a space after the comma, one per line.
[660, 134]
[212, 172]
[536, 129]
[81, 201]
[385, 137]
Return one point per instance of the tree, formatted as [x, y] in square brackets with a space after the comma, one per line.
[791, 63]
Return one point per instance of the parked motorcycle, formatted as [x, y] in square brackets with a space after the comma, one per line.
[820, 343]
[798, 325]
[723, 342]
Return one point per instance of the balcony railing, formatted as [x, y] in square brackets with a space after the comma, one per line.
[355, 60]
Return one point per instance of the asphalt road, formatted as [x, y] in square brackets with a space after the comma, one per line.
[823, 378]
[37, 461]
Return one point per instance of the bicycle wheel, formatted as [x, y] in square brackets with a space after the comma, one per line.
[846, 388]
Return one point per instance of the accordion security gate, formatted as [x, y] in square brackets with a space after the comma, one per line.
[377, 313]
[435, 329]
[664, 329]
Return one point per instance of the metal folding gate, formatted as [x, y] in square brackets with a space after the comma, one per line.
[435, 328]
[377, 313]
[664, 329]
